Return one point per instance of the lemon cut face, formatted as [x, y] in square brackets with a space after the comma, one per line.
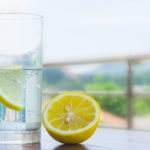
[11, 86]
[71, 117]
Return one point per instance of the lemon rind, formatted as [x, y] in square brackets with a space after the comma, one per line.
[10, 104]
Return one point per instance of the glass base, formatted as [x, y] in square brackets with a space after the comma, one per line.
[25, 137]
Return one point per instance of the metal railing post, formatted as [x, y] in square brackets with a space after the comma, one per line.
[129, 93]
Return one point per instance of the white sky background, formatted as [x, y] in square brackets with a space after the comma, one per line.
[88, 29]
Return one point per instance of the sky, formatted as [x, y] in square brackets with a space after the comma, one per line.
[89, 29]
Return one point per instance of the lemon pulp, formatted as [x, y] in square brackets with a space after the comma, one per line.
[11, 86]
[71, 114]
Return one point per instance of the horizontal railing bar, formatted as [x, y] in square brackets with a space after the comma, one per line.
[141, 93]
[101, 93]
[92, 93]
[97, 61]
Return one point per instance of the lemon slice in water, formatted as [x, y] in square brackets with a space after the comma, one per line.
[11, 86]
[71, 117]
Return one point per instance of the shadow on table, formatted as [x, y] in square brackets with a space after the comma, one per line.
[20, 147]
[71, 147]
[80, 147]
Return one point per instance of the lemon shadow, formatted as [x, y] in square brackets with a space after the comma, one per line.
[70, 147]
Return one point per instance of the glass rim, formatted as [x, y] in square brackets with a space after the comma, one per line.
[20, 16]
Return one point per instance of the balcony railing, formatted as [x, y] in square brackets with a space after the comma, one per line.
[129, 93]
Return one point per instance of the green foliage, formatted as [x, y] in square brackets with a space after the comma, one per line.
[112, 104]
[141, 106]
[98, 84]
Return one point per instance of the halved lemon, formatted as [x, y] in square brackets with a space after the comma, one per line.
[71, 117]
[11, 86]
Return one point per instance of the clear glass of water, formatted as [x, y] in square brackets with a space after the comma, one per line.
[20, 51]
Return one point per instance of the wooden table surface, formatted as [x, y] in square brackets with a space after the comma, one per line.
[103, 139]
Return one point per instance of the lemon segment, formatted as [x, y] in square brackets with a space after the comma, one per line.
[11, 86]
[71, 117]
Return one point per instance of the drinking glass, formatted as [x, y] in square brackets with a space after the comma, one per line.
[20, 74]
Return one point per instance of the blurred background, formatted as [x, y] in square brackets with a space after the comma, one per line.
[98, 47]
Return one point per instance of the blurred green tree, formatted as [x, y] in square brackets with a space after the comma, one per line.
[112, 104]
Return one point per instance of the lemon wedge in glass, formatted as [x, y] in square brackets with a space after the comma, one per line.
[11, 86]
[71, 117]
